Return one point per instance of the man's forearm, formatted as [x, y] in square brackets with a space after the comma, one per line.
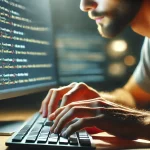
[120, 96]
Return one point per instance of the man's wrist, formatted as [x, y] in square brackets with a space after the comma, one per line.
[119, 96]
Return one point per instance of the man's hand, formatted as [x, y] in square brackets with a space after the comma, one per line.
[71, 93]
[115, 119]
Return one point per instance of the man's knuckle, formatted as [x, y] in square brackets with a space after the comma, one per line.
[68, 107]
[52, 90]
[66, 97]
[56, 91]
[73, 83]
[82, 121]
[73, 110]
[82, 86]
[82, 83]
[72, 104]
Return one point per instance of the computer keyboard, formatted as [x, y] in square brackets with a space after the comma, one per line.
[35, 133]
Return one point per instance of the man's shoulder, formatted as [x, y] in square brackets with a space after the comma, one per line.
[146, 44]
[147, 39]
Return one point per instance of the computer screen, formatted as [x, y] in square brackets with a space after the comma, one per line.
[27, 56]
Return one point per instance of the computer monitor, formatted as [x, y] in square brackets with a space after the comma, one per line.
[27, 55]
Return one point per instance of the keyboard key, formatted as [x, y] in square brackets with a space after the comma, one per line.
[73, 139]
[48, 123]
[41, 120]
[63, 140]
[43, 135]
[37, 128]
[33, 119]
[83, 134]
[40, 134]
[19, 134]
[52, 140]
[53, 135]
[85, 141]
[17, 138]
[34, 133]
[31, 138]
[42, 140]
[22, 132]
[84, 138]
[45, 130]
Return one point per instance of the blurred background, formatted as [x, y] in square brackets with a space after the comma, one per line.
[84, 56]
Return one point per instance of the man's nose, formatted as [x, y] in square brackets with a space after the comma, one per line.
[87, 5]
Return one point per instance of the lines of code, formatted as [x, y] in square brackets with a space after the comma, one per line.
[26, 50]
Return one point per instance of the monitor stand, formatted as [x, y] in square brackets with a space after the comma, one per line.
[9, 127]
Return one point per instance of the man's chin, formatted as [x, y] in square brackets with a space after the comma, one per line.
[106, 34]
[102, 33]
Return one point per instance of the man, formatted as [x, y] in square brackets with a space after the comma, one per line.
[103, 110]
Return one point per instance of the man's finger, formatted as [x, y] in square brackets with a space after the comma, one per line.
[80, 92]
[58, 113]
[75, 112]
[70, 96]
[44, 106]
[63, 111]
[56, 96]
[53, 115]
[79, 125]
[88, 103]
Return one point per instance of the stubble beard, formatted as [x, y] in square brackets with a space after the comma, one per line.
[118, 22]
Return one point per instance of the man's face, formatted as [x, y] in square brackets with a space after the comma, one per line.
[111, 16]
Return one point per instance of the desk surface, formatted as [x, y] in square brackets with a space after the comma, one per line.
[101, 140]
